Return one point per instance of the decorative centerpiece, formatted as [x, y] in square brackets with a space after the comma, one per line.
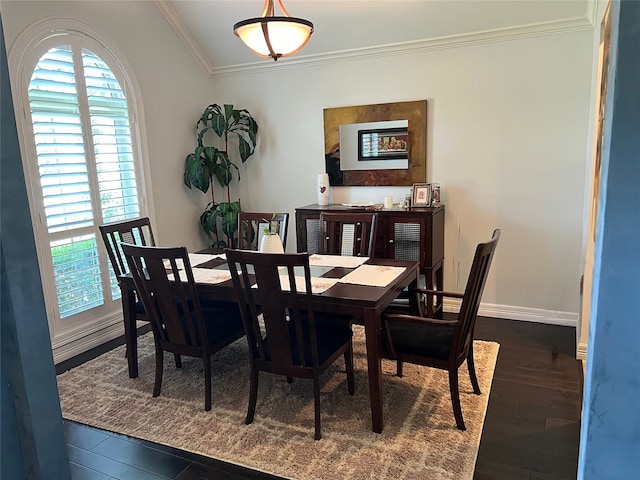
[271, 242]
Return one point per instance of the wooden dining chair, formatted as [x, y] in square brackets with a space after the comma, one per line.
[296, 341]
[348, 233]
[251, 227]
[442, 343]
[139, 232]
[180, 323]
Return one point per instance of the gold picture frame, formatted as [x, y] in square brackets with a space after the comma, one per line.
[415, 112]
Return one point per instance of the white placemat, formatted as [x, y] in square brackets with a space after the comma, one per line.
[196, 259]
[205, 275]
[318, 285]
[373, 275]
[336, 261]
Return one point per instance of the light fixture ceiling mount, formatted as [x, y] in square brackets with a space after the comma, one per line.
[274, 36]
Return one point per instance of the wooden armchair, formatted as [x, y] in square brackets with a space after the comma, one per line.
[439, 343]
[348, 233]
[180, 323]
[251, 225]
[296, 340]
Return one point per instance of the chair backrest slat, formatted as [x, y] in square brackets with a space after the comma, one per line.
[348, 233]
[251, 225]
[287, 313]
[173, 306]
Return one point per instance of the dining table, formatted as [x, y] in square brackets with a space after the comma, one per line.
[360, 287]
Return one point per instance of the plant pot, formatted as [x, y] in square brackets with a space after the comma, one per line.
[271, 244]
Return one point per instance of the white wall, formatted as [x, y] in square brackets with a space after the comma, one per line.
[174, 92]
[508, 133]
[507, 140]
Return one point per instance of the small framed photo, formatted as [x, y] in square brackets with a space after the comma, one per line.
[421, 195]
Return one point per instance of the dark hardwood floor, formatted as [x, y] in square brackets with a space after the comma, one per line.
[531, 430]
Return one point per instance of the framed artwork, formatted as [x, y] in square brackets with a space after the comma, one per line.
[421, 195]
[383, 144]
[414, 113]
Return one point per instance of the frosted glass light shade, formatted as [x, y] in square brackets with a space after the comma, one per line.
[287, 35]
[274, 36]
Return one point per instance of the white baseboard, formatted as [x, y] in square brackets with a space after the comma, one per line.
[81, 345]
[527, 314]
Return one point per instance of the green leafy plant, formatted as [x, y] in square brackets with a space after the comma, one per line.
[271, 227]
[216, 126]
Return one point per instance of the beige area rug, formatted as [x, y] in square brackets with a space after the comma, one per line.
[420, 439]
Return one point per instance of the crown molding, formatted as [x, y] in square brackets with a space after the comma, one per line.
[567, 25]
[175, 22]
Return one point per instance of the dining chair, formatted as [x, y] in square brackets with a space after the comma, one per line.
[138, 232]
[290, 338]
[251, 227]
[441, 343]
[348, 233]
[180, 323]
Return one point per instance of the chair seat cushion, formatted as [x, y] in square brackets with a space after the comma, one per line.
[331, 336]
[432, 341]
[140, 311]
[222, 321]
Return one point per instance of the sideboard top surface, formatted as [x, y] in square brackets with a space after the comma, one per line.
[342, 208]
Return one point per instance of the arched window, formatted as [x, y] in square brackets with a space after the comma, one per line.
[82, 156]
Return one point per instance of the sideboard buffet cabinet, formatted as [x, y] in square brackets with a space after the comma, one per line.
[404, 234]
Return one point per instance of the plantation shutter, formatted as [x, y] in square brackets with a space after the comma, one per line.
[86, 167]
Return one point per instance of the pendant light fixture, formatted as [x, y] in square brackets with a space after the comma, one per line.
[274, 36]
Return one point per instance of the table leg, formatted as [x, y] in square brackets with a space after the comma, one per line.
[130, 329]
[372, 328]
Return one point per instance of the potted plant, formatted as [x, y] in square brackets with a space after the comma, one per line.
[216, 126]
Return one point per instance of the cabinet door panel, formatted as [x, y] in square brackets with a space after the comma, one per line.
[312, 226]
[406, 241]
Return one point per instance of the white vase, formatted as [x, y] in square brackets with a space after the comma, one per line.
[323, 189]
[271, 244]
